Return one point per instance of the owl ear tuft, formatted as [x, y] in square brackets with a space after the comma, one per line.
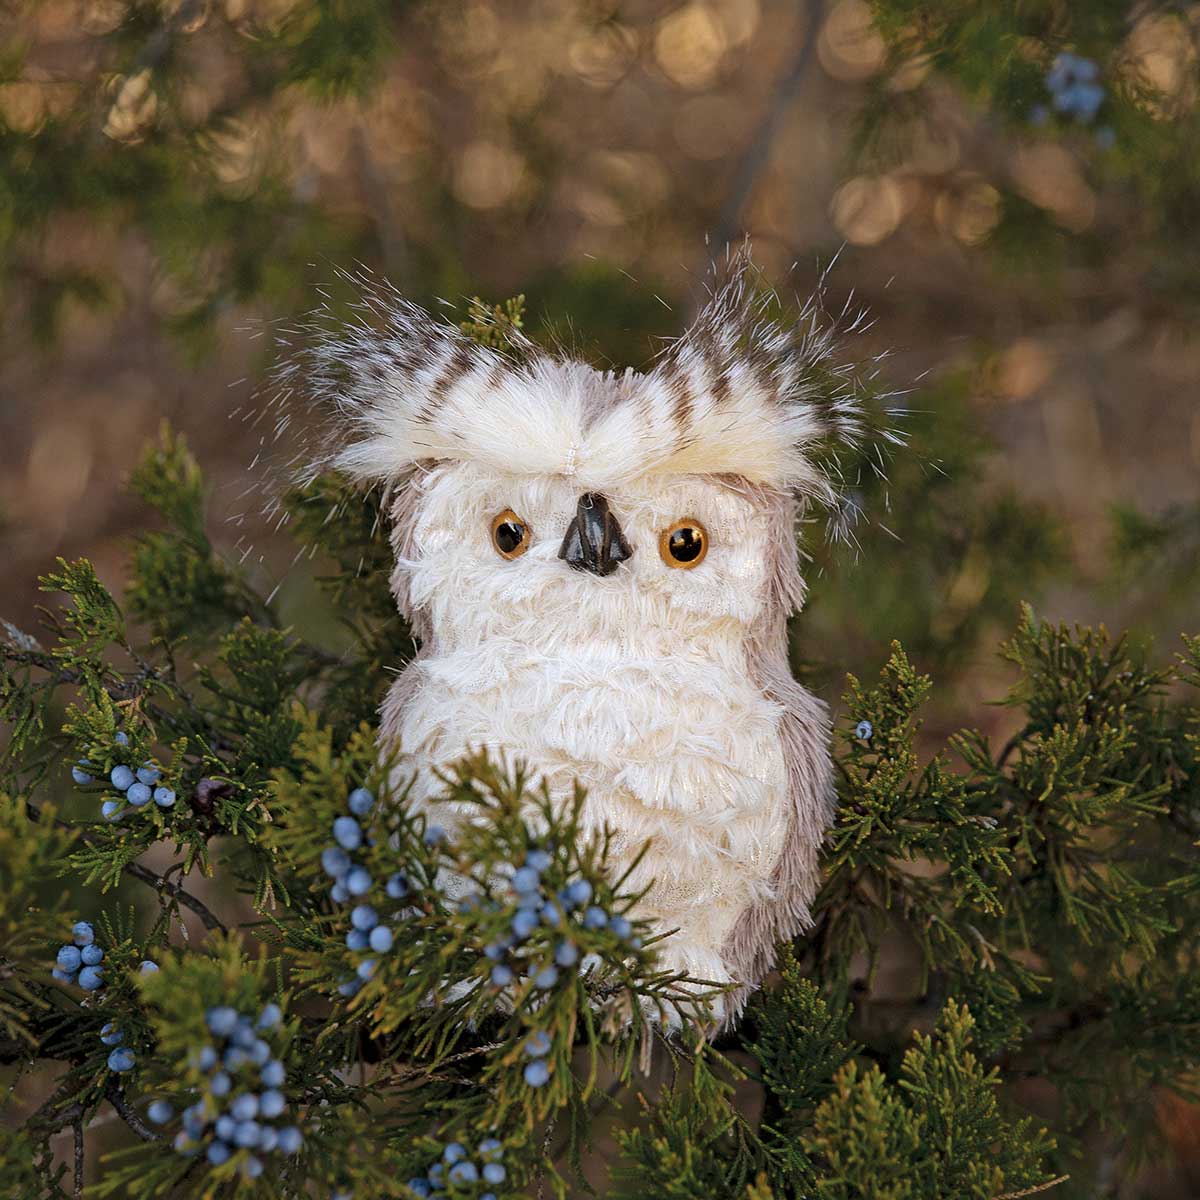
[379, 391]
[781, 379]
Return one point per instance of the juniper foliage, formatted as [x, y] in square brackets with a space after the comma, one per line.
[1042, 894]
[1076, 76]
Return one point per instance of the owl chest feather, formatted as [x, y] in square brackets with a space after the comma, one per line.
[680, 752]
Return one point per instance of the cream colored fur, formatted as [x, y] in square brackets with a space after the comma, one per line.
[640, 685]
[552, 417]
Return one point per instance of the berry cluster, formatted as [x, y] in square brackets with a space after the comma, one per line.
[122, 1058]
[1072, 82]
[1075, 91]
[457, 1168]
[537, 1047]
[367, 932]
[137, 786]
[232, 1115]
[863, 730]
[536, 907]
[351, 880]
[79, 961]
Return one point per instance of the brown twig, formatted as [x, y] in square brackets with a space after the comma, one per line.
[1030, 1191]
[754, 158]
[485, 1049]
[115, 1097]
[77, 1128]
[545, 1157]
[405, 1071]
[151, 878]
[180, 894]
[45, 1118]
[41, 660]
[1009, 746]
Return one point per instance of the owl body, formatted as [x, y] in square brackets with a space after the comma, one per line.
[599, 568]
[641, 685]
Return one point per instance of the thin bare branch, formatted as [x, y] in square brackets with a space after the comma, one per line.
[49, 1121]
[41, 660]
[755, 156]
[116, 1098]
[77, 1128]
[1030, 1191]
[160, 883]
[377, 192]
[210, 921]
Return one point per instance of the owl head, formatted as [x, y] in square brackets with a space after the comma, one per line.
[628, 503]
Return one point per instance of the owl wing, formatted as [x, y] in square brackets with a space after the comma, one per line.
[804, 730]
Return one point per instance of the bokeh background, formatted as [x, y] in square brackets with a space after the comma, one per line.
[176, 177]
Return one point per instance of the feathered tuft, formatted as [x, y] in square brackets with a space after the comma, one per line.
[828, 418]
[743, 392]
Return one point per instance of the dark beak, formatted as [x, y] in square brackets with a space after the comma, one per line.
[594, 540]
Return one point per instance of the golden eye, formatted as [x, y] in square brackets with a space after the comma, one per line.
[683, 544]
[510, 535]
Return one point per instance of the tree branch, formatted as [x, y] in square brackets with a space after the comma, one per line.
[377, 192]
[116, 1098]
[45, 1117]
[77, 1127]
[1030, 1191]
[41, 660]
[151, 878]
[754, 158]
[178, 893]
[127, 687]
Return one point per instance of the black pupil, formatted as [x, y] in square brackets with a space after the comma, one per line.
[686, 544]
[509, 536]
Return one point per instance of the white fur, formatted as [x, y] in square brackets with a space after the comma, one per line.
[636, 684]
[738, 394]
[536, 420]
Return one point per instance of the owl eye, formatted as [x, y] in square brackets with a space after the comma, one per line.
[683, 544]
[510, 535]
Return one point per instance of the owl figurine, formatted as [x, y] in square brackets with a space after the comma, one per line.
[599, 568]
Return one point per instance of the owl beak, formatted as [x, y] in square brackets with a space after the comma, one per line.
[594, 540]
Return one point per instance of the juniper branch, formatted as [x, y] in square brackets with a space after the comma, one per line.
[77, 1127]
[44, 662]
[145, 875]
[116, 1098]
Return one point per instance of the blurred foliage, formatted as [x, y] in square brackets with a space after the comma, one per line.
[959, 557]
[1155, 559]
[1141, 126]
[141, 141]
